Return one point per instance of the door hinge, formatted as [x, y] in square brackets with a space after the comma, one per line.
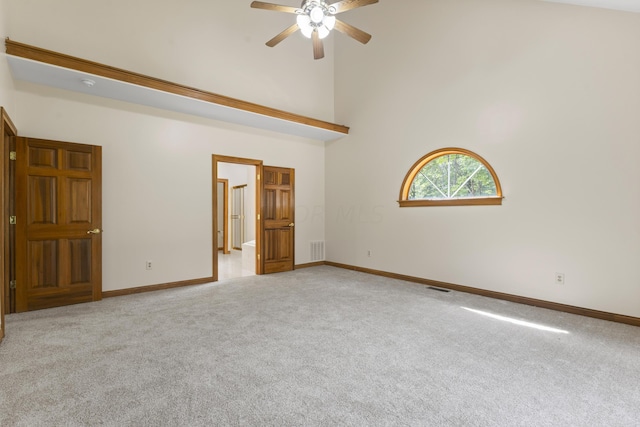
[258, 217]
[258, 256]
[12, 284]
[258, 177]
[12, 155]
[12, 220]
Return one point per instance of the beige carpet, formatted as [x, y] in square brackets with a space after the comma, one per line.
[316, 347]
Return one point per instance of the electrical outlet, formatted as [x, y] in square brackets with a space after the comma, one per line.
[559, 278]
[149, 265]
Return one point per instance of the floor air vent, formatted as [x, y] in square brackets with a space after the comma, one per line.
[438, 289]
[317, 251]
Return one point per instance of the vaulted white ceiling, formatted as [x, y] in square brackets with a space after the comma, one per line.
[628, 5]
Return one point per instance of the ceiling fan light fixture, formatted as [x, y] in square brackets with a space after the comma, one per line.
[315, 16]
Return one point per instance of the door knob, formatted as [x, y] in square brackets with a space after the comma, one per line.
[291, 225]
[94, 231]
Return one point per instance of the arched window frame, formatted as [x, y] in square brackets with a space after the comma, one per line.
[405, 202]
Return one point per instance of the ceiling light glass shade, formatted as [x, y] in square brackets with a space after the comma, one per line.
[323, 31]
[304, 23]
[329, 22]
[316, 14]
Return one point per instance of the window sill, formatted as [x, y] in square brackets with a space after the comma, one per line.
[478, 201]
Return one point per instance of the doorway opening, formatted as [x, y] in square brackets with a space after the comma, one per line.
[236, 217]
[237, 209]
[270, 220]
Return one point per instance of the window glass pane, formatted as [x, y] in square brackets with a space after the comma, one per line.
[452, 176]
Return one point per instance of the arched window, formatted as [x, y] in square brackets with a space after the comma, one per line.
[450, 177]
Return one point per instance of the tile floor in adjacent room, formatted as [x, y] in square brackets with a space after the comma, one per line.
[230, 266]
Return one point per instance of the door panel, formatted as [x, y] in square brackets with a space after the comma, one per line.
[43, 206]
[79, 201]
[278, 219]
[44, 264]
[58, 210]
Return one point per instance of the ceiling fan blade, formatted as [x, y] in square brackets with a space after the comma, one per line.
[344, 5]
[318, 47]
[352, 31]
[283, 35]
[274, 7]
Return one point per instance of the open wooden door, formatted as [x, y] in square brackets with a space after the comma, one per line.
[58, 223]
[278, 227]
[7, 130]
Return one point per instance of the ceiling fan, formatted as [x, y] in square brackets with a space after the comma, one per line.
[315, 19]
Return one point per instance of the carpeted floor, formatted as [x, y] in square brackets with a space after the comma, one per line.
[315, 347]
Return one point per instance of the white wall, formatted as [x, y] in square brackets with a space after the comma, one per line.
[157, 182]
[6, 83]
[549, 94]
[157, 179]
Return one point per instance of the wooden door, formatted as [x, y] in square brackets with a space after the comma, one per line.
[58, 223]
[3, 212]
[7, 131]
[278, 208]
